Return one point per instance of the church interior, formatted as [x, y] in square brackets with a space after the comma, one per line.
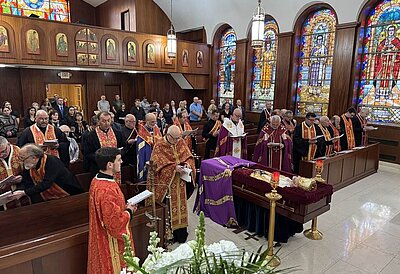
[310, 169]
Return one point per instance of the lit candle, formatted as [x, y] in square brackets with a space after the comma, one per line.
[275, 176]
[319, 163]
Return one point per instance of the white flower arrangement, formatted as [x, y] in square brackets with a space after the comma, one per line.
[194, 257]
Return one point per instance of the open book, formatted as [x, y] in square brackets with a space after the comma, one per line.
[189, 132]
[140, 197]
[337, 137]
[185, 175]
[7, 181]
[50, 143]
[239, 136]
[5, 197]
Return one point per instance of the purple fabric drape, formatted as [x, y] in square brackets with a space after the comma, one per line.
[214, 194]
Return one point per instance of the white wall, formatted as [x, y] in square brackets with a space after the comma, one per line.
[211, 14]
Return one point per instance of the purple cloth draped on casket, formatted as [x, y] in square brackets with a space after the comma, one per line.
[214, 194]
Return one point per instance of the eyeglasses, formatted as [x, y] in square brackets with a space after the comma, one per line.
[174, 138]
[24, 159]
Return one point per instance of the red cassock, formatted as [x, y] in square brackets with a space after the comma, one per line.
[108, 221]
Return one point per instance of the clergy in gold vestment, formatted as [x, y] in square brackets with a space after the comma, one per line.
[9, 162]
[171, 155]
[109, 216]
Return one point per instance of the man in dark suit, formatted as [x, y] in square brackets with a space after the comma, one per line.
[138, 111]
[60, 108]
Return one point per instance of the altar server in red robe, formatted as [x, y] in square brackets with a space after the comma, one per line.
[274, 147]
[346, 125]
[109, 216]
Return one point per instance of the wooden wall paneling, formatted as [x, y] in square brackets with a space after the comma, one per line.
[108, 14]
[198, 35]
[95, 88]
[110, 60]
[10, 90]
[33, 83]
[42, 52]
[150, 18]
[129, 61]
[82, 12]
[25, 268]
[240, 70]
[145, 54]
[247, 103]
[69, 58]
[192, 49]
[282, 98]
[12, 42]
[341, 92]
[198, 81]
[166, 62]
[388, 137]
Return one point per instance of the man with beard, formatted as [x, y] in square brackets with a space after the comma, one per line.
[129, 134]
[210, 133]
[40, 132]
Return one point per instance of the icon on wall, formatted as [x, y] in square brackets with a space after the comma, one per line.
[111, 49]
[167, 60]
[61, 44]
[199, 59]
[131, 46]
[185, 58]
[32, 42]
[4, 40]
[150, 54]
[82, 59]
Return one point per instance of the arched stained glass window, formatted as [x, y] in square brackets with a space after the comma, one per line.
[264, 68]
[226, 66]
[379, 86]
[57, 10]
[317, 44]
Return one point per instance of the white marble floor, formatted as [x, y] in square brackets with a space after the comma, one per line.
[361, 231]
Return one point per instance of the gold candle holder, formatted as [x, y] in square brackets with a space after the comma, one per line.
[272, 259]
[313, 233]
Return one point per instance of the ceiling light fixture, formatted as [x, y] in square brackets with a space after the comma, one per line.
[257, 27]
[171, 39]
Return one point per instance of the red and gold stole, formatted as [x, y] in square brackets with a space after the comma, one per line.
[308, 132]
[149, 138]
[216, 127]
[55, 191]
[348, 125]
[39, 137]
[108, 139]
[13, 166]
[186, 126]
[288, 125]
[336, 133]
[327, 137]
[363, 122]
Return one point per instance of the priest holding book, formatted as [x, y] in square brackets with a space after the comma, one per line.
[50, 138]
[173, 161]
[274, 146]
[306, 140]
[232, 139]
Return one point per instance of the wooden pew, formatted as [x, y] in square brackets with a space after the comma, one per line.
[345, 169]
[52, 237]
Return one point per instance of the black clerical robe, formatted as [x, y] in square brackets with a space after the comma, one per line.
[129, 155]
[63, 149]
[211, 142]
[301, 146]
[358, 128]
[265, 115]
[54, 173]
[346, 127]
[92, 144]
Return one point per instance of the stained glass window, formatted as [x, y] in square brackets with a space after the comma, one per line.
[379, 85]
[317, 44]
[57, 10]
[264, 68]
[226, 67]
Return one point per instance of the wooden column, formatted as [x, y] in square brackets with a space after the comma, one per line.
[341, 93]
[283, 78]
[240, 71]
